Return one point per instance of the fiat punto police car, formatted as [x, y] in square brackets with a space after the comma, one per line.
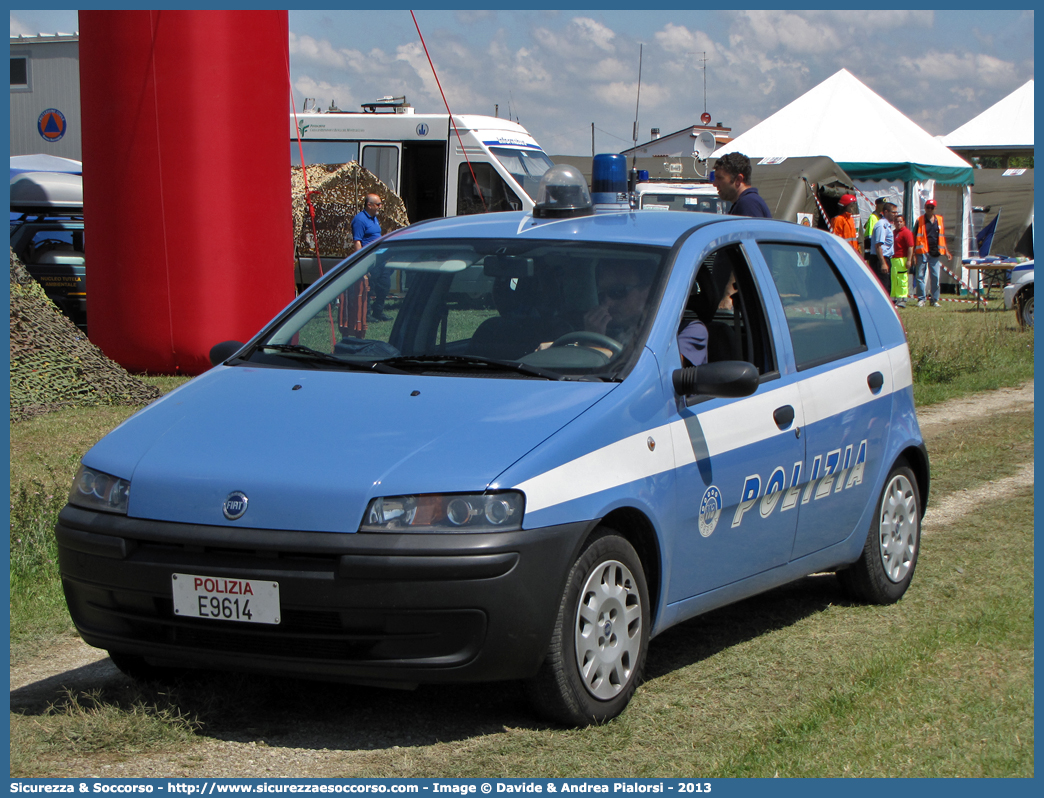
[647, 416]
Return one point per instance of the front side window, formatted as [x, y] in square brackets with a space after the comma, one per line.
[821, 313]
[526, 166]
[490, 192]
[724, 317]
[478, 308]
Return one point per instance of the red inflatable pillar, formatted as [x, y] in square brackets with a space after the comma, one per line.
[186, 181]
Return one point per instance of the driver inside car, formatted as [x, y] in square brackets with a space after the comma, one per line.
[623, 289]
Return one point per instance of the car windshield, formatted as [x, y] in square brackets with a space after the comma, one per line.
[526, 166]
[476, 307]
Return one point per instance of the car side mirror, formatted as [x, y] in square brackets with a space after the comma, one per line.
[219, 353]
[726, 378]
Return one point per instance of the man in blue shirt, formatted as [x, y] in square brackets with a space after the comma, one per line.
[365, 230]
[882, 244]
[732, 179]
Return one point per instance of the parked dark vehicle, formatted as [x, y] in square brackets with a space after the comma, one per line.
[47, 236]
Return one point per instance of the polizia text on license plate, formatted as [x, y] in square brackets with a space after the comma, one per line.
[219, 598]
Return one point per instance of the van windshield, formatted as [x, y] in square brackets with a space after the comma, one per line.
[476, 307]
[526, 166]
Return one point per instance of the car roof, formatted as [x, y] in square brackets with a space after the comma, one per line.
[661, 228]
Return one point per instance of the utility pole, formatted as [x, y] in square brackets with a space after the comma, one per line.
[705, 118]
[592, 140]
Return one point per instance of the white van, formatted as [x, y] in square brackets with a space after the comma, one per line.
[421, 158]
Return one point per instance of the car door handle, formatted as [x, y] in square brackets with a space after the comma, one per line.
[875, 381]
[783, 416]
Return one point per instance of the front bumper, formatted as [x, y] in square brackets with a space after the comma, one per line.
[366, 607]
[1009, 296]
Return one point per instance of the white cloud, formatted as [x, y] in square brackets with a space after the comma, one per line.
[19, 28]
[320, 51]
[472, 16]
[676, 39]
[623, 95]
[794, 33]
[581, 37]
[594, 32]
[323, 93]
[613, 69]
[977, 68]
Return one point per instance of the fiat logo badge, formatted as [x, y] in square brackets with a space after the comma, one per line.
[235, 505]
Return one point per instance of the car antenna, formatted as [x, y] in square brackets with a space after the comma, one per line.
[637, 102]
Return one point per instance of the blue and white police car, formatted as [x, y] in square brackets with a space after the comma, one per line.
[645, 417]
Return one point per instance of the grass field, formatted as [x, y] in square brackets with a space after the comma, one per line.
[957, 349]
[796, 682]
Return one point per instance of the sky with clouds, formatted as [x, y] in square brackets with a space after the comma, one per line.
[560, 72]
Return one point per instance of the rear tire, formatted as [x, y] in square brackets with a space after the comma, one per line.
[601, 636]
[884, 570]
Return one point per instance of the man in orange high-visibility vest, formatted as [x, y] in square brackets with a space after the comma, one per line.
[844, 225]
[929, 246]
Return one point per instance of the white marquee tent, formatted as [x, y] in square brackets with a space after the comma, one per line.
[883, 151]
[869, 138]
[1006, 126]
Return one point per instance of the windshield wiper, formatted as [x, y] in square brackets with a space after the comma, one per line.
[307, 353]
[455, 361]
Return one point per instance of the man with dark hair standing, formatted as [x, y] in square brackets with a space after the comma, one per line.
[732, 179]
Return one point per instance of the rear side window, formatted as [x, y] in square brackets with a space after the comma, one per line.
[821, 314]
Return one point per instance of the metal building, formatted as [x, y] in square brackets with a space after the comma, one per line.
[45, 95]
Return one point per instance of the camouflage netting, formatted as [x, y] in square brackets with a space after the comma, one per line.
[337, 194]
[53, 365]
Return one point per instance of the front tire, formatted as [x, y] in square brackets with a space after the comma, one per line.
[601, 636]
[884, 570]
[1024, 308]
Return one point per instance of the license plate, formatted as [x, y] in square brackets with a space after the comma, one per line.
[222, 599]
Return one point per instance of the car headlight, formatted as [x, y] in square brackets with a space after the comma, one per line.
[97, 490]
[450, 512]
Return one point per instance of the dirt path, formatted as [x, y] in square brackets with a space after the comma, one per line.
[976, 405]
[69, 664]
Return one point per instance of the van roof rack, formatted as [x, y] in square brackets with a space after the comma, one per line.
[385, 104]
